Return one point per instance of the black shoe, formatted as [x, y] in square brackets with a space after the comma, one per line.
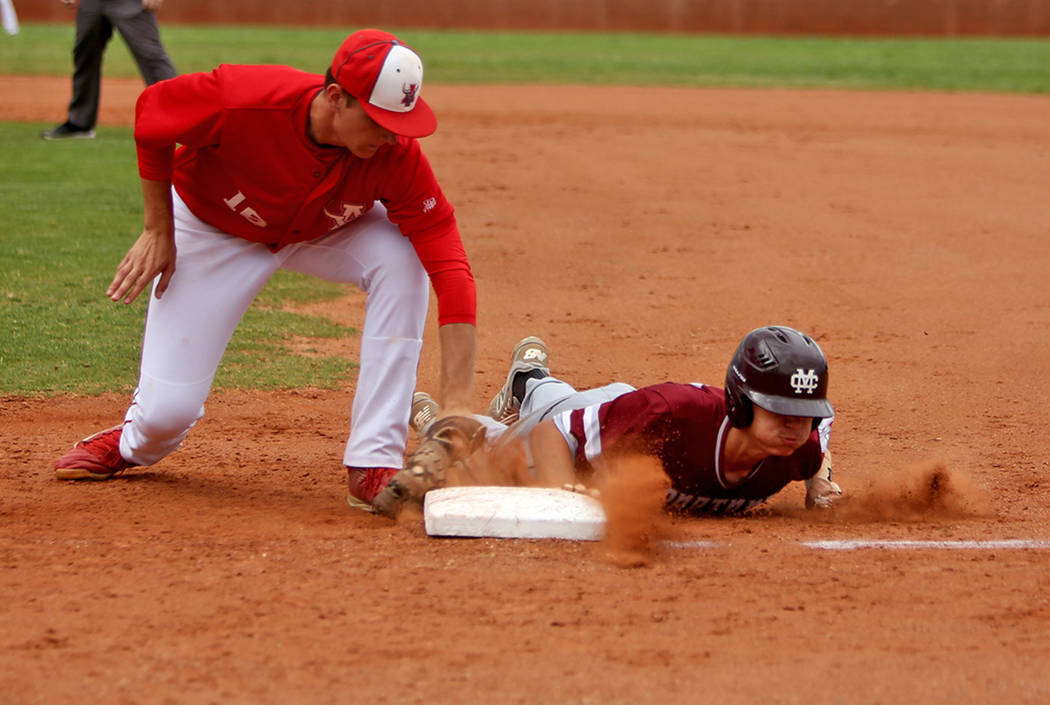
[68, 130]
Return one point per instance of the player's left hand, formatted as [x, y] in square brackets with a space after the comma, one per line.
[822, 494]
[445, 448]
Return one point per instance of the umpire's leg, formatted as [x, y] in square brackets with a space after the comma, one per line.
[93, 33]
[142, 36]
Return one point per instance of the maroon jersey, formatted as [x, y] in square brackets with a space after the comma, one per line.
[685, 426]
[247, 166]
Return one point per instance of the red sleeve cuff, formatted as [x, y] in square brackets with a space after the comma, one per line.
[456, 296]
[156, 164]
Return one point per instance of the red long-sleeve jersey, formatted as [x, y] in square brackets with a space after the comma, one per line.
[685, 426]
[246, 165]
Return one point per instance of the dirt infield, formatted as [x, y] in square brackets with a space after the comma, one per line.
[640, 232]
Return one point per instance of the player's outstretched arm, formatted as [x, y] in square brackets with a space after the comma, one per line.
[458, 346]
[551, 456]
[153, 252]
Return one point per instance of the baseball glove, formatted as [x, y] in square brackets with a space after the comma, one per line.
[443, 454]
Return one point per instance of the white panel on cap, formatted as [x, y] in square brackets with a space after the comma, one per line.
[399, 81]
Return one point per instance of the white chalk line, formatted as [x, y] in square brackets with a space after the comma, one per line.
[689, 544]
[854, 544]
[849, 545]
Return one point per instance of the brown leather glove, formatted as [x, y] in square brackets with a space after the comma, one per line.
[445, 450]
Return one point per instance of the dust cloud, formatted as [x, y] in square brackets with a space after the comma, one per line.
[632, 493]
[922, 491]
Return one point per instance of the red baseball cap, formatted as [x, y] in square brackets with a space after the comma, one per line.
[385, 76]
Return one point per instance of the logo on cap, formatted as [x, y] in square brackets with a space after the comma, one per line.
[804, 381]
[410, 94]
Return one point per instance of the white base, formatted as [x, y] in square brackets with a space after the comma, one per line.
[513, 513]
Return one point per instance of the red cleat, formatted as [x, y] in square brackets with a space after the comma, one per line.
[365, 484]
[96, 457]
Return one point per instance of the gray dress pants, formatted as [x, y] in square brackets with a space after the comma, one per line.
[95, 22]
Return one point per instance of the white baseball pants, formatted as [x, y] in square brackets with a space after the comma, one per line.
[217, 276]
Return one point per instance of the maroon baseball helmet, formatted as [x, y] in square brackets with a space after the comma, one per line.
[781, 370]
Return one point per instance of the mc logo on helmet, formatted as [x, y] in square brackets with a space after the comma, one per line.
[804, 381]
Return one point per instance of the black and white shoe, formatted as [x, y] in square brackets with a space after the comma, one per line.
[529, 354]
[424, 411]
[68, 130]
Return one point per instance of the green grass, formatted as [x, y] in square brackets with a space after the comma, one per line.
[63, 229]
[68, 212]
[1001, 65]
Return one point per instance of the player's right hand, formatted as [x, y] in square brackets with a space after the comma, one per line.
[577, 488]
[822, 494]
[152, 254]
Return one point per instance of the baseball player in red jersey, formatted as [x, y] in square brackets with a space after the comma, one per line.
[725, 450]
[278, 168]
